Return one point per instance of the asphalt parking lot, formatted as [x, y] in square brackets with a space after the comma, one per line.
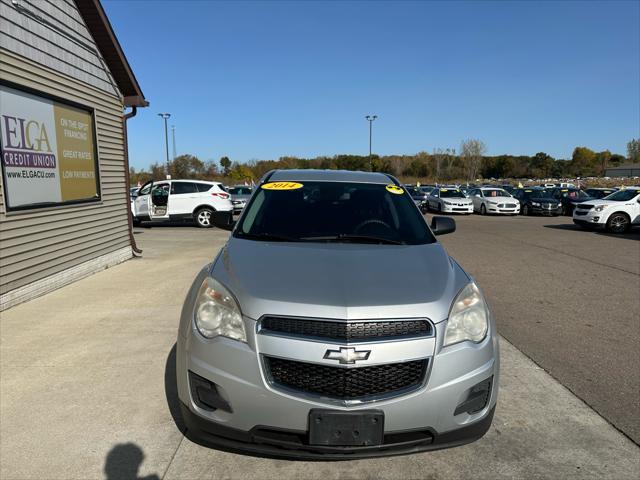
[87, 387]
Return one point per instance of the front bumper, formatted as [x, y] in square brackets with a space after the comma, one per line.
[457, 208]
[545, 211]
[267, 420]
[502, 211]
[293, 444]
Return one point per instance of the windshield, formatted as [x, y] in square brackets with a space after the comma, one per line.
[498, 192]
[415, 192]
[574, 193]
[446, 193]
[623, 195]
[334, 211]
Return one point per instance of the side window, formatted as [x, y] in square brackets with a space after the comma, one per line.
[436, 193]
[178, 188]
[203, 187]
[145, 190]
[161, 186]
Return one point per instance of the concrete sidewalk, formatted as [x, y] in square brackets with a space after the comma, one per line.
[87, 390]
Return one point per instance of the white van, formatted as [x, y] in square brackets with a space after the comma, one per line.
[203, 203]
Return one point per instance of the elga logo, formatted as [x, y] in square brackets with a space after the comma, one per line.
[21, 134]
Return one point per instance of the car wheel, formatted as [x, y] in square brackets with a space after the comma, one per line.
[618, 223]
[136, 222]
[203, 218]
[525, 210]
[483, 209]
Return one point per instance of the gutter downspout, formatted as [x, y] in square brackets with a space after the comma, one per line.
[126, 117]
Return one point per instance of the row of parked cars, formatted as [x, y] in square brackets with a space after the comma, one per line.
[613, 209]
[200, 201]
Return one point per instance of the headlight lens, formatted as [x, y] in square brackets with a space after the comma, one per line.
[535, 204]
[468, 318]
[216, 312]
[599, 208]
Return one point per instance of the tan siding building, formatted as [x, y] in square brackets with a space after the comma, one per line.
[64, 53]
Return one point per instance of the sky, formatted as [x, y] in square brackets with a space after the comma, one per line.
[261, 80]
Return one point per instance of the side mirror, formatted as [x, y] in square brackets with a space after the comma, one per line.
[223, 220]
[443, 225]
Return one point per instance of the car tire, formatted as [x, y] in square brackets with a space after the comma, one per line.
[483, 209]
[136, 221]
[618, 222]
[202, 218]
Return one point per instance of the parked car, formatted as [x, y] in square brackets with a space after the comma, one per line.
[427, 188]
[537, 201]
[600, 192]
[449, 200]
[133, 193]
[493, 200]
[321, 337]
[183, 200]
[417, 194]
[615, 213]
[240, 195]
[569, 197]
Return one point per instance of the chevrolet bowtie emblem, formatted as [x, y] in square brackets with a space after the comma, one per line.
[347, 355]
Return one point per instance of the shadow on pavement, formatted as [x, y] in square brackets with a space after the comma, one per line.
[171, 390]
[123, 462]
[634, 234]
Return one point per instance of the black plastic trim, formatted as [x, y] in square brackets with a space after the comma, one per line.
[291, 444]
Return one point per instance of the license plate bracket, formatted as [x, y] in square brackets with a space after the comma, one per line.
[341, 429]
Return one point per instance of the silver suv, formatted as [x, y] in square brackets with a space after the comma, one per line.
[334, 325]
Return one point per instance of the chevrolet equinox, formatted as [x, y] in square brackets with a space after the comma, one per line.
[334, 325]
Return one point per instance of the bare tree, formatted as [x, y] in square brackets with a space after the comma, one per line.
[471, 152]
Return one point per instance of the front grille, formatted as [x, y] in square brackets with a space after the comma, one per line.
[582, 206]
[346, 330]
[346, 383]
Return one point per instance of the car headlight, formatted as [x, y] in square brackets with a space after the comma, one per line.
[535, 204]
[468, 318]
[599, 208]
[446, 203]
[217, 313]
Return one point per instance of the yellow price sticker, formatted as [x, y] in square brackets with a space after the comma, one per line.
[444, 189]
[395, 189]
[282, 186]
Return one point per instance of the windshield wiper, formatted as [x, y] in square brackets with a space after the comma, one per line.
[345, 237]
[264, 236]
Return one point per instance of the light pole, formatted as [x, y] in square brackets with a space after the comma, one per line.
[370, 119]
[173, 134]
[166, 136]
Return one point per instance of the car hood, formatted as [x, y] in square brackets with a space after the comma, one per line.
[339, 280]
[457, 200]
[579, 200]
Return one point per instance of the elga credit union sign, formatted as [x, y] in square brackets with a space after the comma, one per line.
[48, 151]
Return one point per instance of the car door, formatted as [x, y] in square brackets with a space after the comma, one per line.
[159, 201]
[434, 198]
[635, 211]
[476, 198]
[142, 201]
[184, 198]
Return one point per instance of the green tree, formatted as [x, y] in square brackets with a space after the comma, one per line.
[583, 161]
[186, 166]
[633, 150]
[225, 163]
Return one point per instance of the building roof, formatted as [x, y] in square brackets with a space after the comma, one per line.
[110, 49]
[310, 175]
[625, 166]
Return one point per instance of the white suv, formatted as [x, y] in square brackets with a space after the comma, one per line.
[180, 200]
[615, 213]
